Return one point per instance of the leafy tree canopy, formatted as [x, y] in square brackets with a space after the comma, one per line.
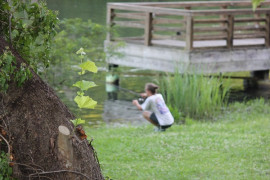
[30, 29]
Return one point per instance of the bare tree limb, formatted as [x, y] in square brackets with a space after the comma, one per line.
[6, 143]
[9, 21]
[59, 171]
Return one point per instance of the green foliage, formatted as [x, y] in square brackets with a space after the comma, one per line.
[84, 102]
[84, 85]
[78, 121]
[30, 27]
[175, 113]
[256, 3]
[88, 66]
[9, 71]
[194, 95]
[76, 33]
[5, 169]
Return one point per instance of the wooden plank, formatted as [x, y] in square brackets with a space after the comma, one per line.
[129, 38]
[242, 20]
[248, 46]
[109, 22]
[230, 31]
[249, 36]
[229, 11]
[157, 43]
[199, 4]
[210, 47]
[157, 10]
[223, 16]
[165, 37]
[249, 28]
[132, 24]
[210, 37]
[257, 16]
[209, 29]
[163, 28]
[209, 21]
[139, 16]
[167, 21]
[189, 33]
[267, 31]
[148, 29]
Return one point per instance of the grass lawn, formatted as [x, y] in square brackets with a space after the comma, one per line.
[234, 146]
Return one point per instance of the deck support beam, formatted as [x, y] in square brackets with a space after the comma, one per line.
[148, 29]
[267, 31]
[110, 17]
[230, 32]
[189, 33]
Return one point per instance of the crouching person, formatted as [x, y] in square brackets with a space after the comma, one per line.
[154, 108]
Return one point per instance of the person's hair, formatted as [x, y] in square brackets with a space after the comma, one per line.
[151, 87]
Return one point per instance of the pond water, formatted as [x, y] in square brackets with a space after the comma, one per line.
[87, 9]
[114, 105]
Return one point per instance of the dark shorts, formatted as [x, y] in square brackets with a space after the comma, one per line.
[153, 117]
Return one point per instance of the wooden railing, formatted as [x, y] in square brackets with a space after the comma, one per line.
[191, 25]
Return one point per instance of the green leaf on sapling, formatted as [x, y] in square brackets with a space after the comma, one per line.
[88, 66]
[77, 121]
[85, 102]
[79, 93]
[80, 51]
[84, 85]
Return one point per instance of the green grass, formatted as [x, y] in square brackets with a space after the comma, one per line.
[235, 146]
[194, 95]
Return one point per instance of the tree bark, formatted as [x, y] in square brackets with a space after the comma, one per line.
[31, 115]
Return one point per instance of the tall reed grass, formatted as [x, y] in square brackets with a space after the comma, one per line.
[194, 95]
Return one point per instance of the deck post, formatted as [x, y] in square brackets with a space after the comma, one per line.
[223, 16]
[189, 33]
[148, 29]
[267, 31]
[257, 16]
[230, 31]
[109, 22]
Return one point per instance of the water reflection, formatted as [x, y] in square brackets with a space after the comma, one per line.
[117, 111]
[114, 99]
[112, 83]
[121, 112]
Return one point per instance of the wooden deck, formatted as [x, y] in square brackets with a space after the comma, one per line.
[202, 44]
[192, 28]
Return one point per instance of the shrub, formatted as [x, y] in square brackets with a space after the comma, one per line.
[194, 95]
[5, 169]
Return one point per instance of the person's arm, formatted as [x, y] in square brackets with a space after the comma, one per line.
[143, 95]
[136, 103]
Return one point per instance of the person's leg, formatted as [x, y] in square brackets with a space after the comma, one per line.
[165, 127]
[146, 115]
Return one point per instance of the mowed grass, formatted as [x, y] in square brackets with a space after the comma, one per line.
[235, 146]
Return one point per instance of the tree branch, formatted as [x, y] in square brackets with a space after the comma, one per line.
[9, 26]
[59, 171]
[6, 143]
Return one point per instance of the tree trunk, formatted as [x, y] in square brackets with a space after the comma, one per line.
[31, 115]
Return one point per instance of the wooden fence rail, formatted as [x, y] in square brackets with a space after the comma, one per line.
[192, 25]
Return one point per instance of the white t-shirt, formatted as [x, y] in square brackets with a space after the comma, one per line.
[156, 104]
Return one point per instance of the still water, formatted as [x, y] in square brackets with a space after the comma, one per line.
[87, 9]
[114, 105]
